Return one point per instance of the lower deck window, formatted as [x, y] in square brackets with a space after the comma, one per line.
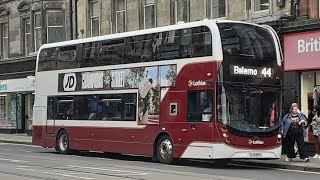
[115, 107]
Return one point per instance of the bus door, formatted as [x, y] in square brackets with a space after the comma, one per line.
[199, 126]
[50, 120]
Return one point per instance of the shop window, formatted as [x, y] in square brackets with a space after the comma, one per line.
[199, 107]
[2, 107]
[8, 111]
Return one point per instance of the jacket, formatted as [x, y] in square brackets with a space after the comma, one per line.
[286, 123]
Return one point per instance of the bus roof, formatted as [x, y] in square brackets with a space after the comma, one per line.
[182, 25]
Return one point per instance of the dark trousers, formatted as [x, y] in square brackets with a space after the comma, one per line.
[295, 135]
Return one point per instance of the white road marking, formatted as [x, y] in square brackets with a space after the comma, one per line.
[14, 160]
[112, 170]
[183, 173]
[56, 174]
[278, 169]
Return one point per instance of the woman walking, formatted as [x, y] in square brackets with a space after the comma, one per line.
[294, 131]
[315, 127]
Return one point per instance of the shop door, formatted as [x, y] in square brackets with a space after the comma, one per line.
[20, 112]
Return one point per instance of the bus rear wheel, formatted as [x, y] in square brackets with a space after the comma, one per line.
[165, 149]
[63, 142]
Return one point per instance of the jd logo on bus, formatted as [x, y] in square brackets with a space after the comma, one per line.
[69, 82]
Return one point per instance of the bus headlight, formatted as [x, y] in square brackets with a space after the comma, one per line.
[279, 136]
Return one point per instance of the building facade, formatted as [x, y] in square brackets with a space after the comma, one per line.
[24, 27]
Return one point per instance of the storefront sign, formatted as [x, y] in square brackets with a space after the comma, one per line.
[17, 85]
[302, 51]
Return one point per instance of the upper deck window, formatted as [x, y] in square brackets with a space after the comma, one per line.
[167, 45]
[247, 41]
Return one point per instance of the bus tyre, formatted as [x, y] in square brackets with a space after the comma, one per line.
[63, 142]
[165, 149]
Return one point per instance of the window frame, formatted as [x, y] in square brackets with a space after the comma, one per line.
[121, 11]
[24, 43]
[212, 7]
[253, 7]
[3, 103]
[35, 29]
[94, 18]
[176, 10]
[202, 113]
[47, 24]
[145, 6]
[164, 51]
[101, 99]
[5, 40]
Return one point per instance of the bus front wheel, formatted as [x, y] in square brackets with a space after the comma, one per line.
[165, 149]
[63, 142]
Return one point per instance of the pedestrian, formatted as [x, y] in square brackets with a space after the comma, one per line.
[315, 127]
[295, 144]
[293, 130]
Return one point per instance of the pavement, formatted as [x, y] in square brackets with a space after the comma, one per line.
[296, 164]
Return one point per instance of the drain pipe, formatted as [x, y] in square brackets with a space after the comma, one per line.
[76, 19]
[71, 18]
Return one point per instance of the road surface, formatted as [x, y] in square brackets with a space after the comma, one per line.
[34, 163]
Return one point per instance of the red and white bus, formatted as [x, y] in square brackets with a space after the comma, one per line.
[207, 90]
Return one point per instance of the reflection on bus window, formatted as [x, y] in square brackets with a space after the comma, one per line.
[166, 45]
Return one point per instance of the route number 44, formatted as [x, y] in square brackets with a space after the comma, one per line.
[266, 72]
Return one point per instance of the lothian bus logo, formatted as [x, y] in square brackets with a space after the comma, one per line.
[255, 142]
[196, 83]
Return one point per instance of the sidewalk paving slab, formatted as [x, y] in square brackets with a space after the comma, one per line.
[297, 164]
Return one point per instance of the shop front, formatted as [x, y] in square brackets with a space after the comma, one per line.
[16, 105]
[302, 55]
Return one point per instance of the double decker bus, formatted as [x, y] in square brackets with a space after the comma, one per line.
[209, 89]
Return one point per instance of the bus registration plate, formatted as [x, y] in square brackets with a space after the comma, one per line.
[255, 155]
